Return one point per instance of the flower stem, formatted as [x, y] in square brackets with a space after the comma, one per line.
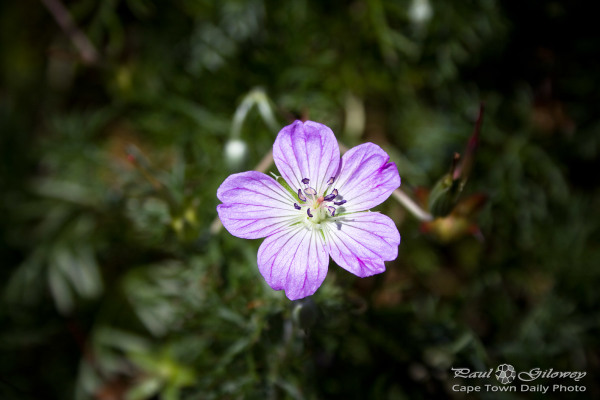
[411, 206]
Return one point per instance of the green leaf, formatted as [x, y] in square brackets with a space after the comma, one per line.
[145, 389]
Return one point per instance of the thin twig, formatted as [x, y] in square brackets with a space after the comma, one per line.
[63, 18]
[464, 168]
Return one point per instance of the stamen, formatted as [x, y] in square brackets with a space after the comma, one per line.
[297, 207]
[310, 191]
[308, 212]
[332, 195]
[301, 196]
[305, 181]
[330, 181]
[339, 203]
[329, 197]
[331, 210]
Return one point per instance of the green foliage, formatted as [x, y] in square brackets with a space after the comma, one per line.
[119, 282]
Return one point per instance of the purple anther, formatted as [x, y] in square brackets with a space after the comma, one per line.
[331, 210]
[339, 203]
[305, 181]
[329, 197]
[301, 196]
[308, 212]
[310, 191]
[330, 181]
[297, 207]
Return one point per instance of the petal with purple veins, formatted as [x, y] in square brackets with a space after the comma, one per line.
[254, 205]
[306, 150]
[294, 260]
[366, 178]
[361, 242]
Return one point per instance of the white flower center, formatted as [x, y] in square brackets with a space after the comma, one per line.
[315, 205]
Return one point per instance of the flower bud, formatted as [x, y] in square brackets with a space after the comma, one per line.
[420, 11]
[460, 222]
[444, 195]
[235, 153]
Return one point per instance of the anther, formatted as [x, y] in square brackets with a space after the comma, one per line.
[301, 196]
[305, 181]
[308, 212]
[297, 207]
[339, 203]
[310, 191]
[330, 181]
[331, 210]
[329, 197]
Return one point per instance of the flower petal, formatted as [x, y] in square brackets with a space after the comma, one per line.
[255, 205]
[306, 150]
[361, 242]
[365, 178]
[294, 260]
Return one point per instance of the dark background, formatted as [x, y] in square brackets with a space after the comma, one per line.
[114, 284]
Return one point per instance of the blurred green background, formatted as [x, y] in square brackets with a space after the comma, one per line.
[117, 129]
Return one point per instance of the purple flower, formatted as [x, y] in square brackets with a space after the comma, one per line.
[323, 213]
